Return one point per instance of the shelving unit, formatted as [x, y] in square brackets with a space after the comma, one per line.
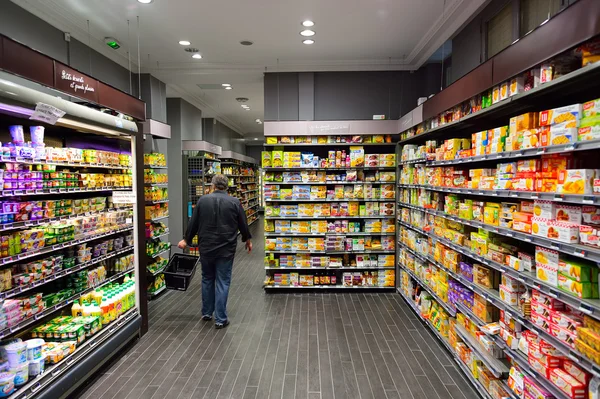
[73, 227]
[330, 223]
[156, 181]
[242, 172]
[477, 248]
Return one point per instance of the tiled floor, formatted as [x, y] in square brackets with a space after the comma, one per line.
[315, 346]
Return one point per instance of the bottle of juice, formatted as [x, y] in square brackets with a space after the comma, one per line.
[118, 303]
[113, 310]
[95, 309]
[87, 309]
[76, 309]
[105, 308]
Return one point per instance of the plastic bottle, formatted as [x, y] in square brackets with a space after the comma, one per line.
[76, 309]
[113, 310]
[96, 311]
[87, 309]
[105, 308]
[118, 303]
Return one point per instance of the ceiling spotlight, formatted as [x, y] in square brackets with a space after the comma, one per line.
[225, 84]
[197, 56]
[185, 42]
[228, 88]
[308, 41]
[308, 23]
[145, 1]
[258, 120]
[246, 109]
[255, 138]
[307, 32]
[245, 106]
[246, 43]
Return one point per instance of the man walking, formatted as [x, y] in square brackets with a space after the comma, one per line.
[216, 220]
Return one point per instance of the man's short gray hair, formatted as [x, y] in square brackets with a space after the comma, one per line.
[221, 182]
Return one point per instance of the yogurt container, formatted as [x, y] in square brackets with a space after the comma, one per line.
[34, 349]
[7, 384]
[16, 354]
[36, 367]
[21, 374]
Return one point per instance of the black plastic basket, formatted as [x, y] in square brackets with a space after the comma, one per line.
[180, 271]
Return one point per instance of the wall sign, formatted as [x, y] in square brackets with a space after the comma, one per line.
[73, 82]
[328, 128]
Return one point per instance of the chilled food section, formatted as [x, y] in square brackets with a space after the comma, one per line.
[242, 172]
[157, 214]
[498, 243]
[330, 212]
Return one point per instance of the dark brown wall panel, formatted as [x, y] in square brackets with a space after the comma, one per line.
[120, 101]
[478, 80]
[25, 62]
[569, 28]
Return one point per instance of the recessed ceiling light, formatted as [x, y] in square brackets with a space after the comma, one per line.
[255, 138]
[307, 32]
[145, 1]
[246, 109]
[228, 88]
[246, 43]
[197, 56]
[308, 41]
[225, 84]
[308, 23]
[245, 106]
[258, 120]
[185, 42]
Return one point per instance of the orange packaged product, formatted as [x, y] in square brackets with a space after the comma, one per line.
[552, 164]
[523, 122]
[530, 139]
[546, 185]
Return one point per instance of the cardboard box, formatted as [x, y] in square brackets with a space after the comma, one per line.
[552, 229]
[580, 290]
[560, 115]
[576, 181]
[567, 213]
[591, 108]
[568, 384]
[544, 209]
[563, 133]
[547, 273]
[523, 122]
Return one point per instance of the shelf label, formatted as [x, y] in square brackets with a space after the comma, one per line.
[47, 113]
[124, 197]
[588, 199]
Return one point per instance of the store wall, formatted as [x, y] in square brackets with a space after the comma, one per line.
[347, 95]
[254, 151]
[20, 25]
[154, 93]
[217, 133]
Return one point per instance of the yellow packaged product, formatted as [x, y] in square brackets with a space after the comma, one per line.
[277, 159]
[576, 181]
[271, 140]
[523, 122]
[587, 351]
[562, 133]
[560, 115]
[266, 159]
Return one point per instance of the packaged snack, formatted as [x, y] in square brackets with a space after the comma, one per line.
[544, 209]
[573, 369]
[568, 384]
[266, 159]
[591, 108]
[580, 290]
[563, 133]
[523, 122]
[277, 159]
[569, 214]
[576, 181]
[555, 230]
[560, 115]
[578, 271]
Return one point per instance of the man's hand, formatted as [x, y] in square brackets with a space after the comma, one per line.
[182, 244]
[249, 246]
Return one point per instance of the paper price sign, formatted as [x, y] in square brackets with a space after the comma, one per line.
[123, 197]
[47, 113]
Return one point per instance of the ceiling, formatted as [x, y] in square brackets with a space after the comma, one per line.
[351, 35]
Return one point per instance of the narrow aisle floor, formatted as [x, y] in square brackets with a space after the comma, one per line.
[316, 346]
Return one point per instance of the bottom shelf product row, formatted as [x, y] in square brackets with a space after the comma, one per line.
[345, 260]
[509, 358]
[333, 279]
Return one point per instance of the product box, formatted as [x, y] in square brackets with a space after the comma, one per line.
[534, 391]
[590, 215]
[567, 213]
[578, 271]
[563, 133]
[586, 133]
[544, 209]
[552, 229]
[547, 273]
[589, 235]
[511, 298]
[523, 122]
[539, 367]
[576, 181]
[546, 256]
[567, 321]
[560, 115]
[568, 337]
[266, 159]
[591, 108]
[516, 86]
[575, 371]
[568, 384]
[580, 290]
[553, 304]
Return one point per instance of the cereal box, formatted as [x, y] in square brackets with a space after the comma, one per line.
[560, 115]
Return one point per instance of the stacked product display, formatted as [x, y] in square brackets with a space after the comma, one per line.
[157, 213]
[498, 246]
[243, 184]
[330, 214]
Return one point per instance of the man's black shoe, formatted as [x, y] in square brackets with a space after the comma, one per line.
[219, 326]
[206, 318]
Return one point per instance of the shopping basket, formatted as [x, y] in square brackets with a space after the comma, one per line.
[180, 270]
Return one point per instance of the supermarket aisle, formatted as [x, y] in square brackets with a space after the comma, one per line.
[283, 346]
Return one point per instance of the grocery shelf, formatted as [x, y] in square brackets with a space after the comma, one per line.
[331, 200]
[55, 191]
[530, 195]
[154, 167]
[338, 287]
[327, 183]
[165, 201]
[62, 163]
[250, 223]
[412, 161]
[27, 322]
[330, 268]
[330, 144]
[521, 360]
[156, 255]
[497, 367]
[42, 222]
[475, 382]
[329, 217]
[581, 251]
[248, 191]
[516, 104]
[469, 314]
[65, 272]
[53, 372]
[530, 152]
[588, 306]
[166, 233]
[157, 219]
[287, 234]
[332, 252]
[251, 207]
[249, 199]
[159, 271]
[56, 247]
[247, 183]
[299, 169]
[157, 292]
[446, 306]
[164, 185]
